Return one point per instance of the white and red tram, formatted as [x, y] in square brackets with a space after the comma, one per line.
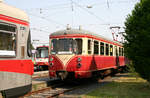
[76, 53]
[16, 67]
[41, 58]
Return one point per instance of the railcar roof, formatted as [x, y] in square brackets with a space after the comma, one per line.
[77, 31]
[12, 12]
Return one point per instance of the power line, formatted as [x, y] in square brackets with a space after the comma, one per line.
[40, 30]
[48, 20]
[91, 13]
[113, 2]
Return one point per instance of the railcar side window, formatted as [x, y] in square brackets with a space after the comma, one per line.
[111, 50]
[79, 45]
[120, 51]
[89, 47]
[107, 49]
[54, 46]
[7, 40]
[116, 50]
[102, 48]
[96, 47]
[29, 45]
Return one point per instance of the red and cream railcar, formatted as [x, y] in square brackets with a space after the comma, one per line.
[41, 58]
[16, 67]
[81, 54]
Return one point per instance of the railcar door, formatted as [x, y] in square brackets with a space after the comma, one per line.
[117, 57]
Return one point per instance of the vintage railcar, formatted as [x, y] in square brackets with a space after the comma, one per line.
[16, 67]
[41, 58]
[77, 53]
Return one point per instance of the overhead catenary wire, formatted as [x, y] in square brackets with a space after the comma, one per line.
[40, 30]
[91, 13]
[47, 19]
[114, 2]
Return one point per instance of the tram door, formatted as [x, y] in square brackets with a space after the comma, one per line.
[117, 57]
[22, 42]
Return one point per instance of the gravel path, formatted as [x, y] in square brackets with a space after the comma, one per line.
[92, 85]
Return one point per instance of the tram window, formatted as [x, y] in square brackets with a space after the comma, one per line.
[42, 52]
[102, 48]
[107, 49]
[7, 40]
[79, 45]
[116, 50]
[54, 46]
[96, 47]
[89, 47]
[29, 45]
[120, 51]
[7, 27]
[111, 50]
[66, 46]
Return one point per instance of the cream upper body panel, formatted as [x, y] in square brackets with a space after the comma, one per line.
[12, 12]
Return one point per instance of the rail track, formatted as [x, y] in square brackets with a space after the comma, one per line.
[58, 88]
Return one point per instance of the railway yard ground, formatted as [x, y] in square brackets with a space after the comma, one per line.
[124, 85]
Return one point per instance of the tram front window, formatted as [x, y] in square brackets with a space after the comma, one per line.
[7, 40]
[65, 46]
[42, 52]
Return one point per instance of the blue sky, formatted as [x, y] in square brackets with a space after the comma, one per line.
[47, 16]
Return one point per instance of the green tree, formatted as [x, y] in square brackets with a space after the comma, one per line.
[137, 45]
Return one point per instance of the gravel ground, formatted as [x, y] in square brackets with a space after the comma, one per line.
[92, 85]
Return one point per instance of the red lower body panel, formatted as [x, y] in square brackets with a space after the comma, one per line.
[88, 64]
[18, 66]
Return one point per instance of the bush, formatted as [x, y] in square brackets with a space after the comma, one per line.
[137, 45]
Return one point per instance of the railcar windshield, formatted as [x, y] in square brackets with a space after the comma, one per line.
[42, 52]
[7, 40]
[66, 46]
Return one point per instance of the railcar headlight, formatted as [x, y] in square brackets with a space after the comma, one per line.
[79, 65]
[79, 59]
[51, 59]
[51, 64]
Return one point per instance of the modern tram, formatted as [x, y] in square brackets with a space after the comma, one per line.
[16, 67]
[77, 53]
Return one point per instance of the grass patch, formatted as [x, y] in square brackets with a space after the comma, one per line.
[123, 88]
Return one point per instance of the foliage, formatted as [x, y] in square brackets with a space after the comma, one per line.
[120, 90]
[137, 45]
